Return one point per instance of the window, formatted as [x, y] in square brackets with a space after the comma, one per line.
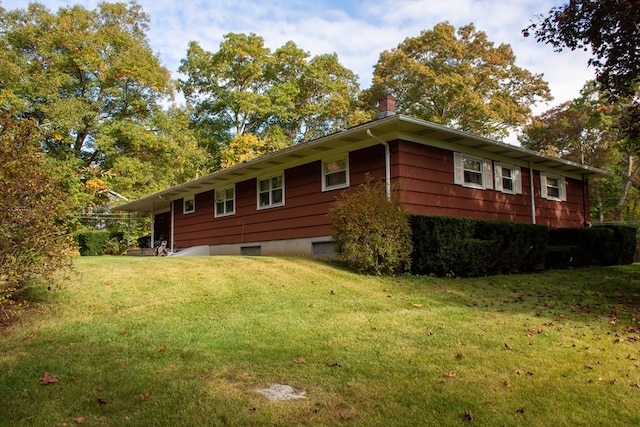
[189, 204]
[270, 191]
[507, 178]
[335, 173]
[552, 187]
[225, 201]
[471, 171]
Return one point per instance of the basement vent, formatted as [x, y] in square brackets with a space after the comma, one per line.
[250, 250]
[323, 248]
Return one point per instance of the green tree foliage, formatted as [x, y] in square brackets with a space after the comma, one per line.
[80, 70]
[140, 158]
[244, 87]
[586, 130]
[93, 84]
[611, 29]
[459, 79]
[371, 232]
[35, 240]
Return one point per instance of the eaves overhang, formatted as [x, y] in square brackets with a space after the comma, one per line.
[388, 129]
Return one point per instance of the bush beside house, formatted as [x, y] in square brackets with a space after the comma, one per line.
[102, 242]
[462, 247]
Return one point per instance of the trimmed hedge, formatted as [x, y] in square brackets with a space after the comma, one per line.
[92, 243]
[586, 247]
[462, 247]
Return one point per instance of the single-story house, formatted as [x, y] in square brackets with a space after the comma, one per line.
[279, 204]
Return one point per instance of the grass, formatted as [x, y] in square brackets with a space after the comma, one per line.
[187, 341]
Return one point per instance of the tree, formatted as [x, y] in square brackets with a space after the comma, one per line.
[245, 88]
[89, 79]
[459, 79]
[36, 240]
[611, 28]
[142, 157]
[585, 130]
[82, 69]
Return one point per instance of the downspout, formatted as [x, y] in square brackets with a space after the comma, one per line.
[532, 194]
[153, 226]
[387, 163]
[173, 217]
[586, 210]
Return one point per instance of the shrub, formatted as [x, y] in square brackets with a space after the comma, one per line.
[102, 242]
[371, 232]
[451, 246]
[586, 247]
[35, 233]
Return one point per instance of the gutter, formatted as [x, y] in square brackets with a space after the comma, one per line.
[387, 163]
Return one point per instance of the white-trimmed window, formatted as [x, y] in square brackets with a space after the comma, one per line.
[472, 171]
[553, 187]
[189, 204]
[225, 201]
[335, 173]
[271, 191]
[507, 178]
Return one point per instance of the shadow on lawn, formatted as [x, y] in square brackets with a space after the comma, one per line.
[579, 295]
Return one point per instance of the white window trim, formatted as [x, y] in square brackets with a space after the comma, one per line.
[346, 184]
[486, 173]
[269, 177]
[184, 204]
[562, 187]
[516, 178]
[215, 201]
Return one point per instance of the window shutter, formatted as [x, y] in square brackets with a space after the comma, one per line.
[458, 169]
[487, 175]
[497, 175]
[543, 185]
[562, 189]
[517, 180]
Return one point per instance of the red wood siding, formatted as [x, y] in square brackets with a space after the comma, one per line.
[304, 214]
[425, 177]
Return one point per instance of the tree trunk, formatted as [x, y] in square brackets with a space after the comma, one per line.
[632, 171]
[599, 203]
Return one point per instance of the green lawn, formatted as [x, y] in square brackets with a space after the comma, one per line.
[187, 341]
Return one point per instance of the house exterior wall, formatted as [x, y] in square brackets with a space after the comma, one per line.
[303, 215]
[424, 176]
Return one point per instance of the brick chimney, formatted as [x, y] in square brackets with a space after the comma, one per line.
[386, 106]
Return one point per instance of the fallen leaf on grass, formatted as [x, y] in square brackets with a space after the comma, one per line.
[79, 420]
[507, 346]
[28, 337]
[334, 365]
[301, 361]
[144, 396]
[467, 416]
[450, 375]
[49, 379]
[101, 402]
[204, 377]
[520, 410]
[418, 305]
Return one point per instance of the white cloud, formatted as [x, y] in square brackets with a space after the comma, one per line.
[357, 30]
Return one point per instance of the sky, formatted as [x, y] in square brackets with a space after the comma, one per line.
[356, 30]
